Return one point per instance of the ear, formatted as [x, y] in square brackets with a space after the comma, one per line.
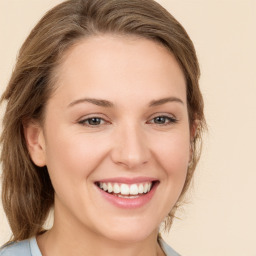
[35, 142]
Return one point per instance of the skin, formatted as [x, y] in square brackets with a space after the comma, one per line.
[128, 142]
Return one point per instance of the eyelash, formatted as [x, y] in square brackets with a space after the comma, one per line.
[171, 120]
[86, 122]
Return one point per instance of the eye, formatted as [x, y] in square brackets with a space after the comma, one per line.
[163, 120]
[92, 121]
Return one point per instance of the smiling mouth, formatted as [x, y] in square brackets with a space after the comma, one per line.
[124, 190]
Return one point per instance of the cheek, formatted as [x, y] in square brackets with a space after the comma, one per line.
[70, 162]
[73, 157]
[172, 155]
[173, 152]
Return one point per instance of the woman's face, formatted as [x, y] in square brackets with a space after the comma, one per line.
[117, 121]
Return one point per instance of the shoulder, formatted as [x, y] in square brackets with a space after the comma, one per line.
[16, 248]
[167, 249]
[23, 248]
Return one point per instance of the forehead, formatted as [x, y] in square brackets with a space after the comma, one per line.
[111, 66]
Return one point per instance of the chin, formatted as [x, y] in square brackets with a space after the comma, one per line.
[130, 232]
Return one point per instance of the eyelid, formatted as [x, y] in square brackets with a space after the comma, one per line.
[171, 117]
[82, 120]
[164, 114]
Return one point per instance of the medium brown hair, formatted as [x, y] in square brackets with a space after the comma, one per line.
[27, 192]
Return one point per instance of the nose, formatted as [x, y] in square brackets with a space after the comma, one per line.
[130, 147]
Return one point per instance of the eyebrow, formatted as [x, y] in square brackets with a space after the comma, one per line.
[159, 102]
[108, 104]
[98, 102]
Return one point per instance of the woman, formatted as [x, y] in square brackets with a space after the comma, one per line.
[103, 124]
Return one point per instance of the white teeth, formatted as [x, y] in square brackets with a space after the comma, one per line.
[125, 190]
[105, 186]
[110, 188]
[145, 188]
[134, 190]
[116, 188]
[141, 188]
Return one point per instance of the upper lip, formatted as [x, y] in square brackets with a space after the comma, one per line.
[127, 180]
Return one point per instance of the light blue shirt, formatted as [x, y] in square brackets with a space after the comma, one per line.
[30, 248]
[24, 248]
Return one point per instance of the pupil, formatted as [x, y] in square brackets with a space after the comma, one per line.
[94, 121]
[160, 119]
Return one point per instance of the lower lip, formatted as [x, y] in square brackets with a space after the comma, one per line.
[129, 203]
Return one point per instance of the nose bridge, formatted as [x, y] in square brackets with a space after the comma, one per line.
[130, 148]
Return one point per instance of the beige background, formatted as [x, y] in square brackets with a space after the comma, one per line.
[220, 218]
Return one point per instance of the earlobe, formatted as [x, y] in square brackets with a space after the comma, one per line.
[35, 141]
